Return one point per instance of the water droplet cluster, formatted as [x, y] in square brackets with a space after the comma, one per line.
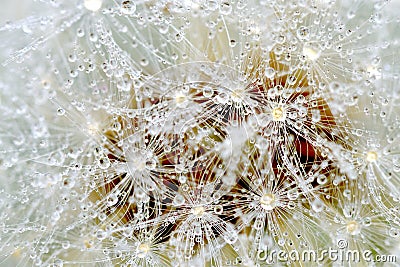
[198, 133]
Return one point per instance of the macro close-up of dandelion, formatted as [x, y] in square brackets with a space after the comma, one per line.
[200, 133]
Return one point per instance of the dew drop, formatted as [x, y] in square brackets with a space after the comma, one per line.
[103, 163]
[321, 179]
[269, 73]
[218, 209]
[151, 164]
[80, 32]
[225, 8]
[179, 37]
[100, 234]
[112, 199]
[393, 232]
[93, 5]
[178, 200]
[208, 91]
[303, 33]
[317, 205]
[222, 98]
[315, 115]
[293, 194]
[60, 111]
[128, 7]
[65, 244]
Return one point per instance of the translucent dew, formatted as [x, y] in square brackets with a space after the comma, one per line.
[268, 201]
[303, 33]
[208, 91]
[93, 128]
[142, 250]
[128, 7]
[270, 72]
[93, 5]
[371, 156]
[353, 228]
[278, 114]
[180, 98]
[317, 205]
[198, 211]
[178, 200]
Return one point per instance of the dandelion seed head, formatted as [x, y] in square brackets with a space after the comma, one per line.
[278, 114]
[142, 250]
[198, 211]
[268, 201]
[311, 53]
[137, 164]
[371, 156]
[170, 130]
[93, 129]
[237, 95]
[353, 228]
[128, 7]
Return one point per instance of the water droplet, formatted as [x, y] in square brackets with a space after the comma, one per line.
[128, 7]
[211, 5]
[315, 115]
[222, 98]
[65, 244]
[208, 91]
[218, 209]
[26, 29]
[144, 62]
[292, 80]
[367, 221]
[80, 32]
[100, 234]
[268, 201]
[179, 37]
[393, 232]
[270, 73]
[321, 179]
[225, 8]
[60, 111]
[303, 33]
[351, 14]
[72, 58]
[151, 164]
[163, 28]
[317, 205]
[142, 250]
[93, 5]
[353, 228]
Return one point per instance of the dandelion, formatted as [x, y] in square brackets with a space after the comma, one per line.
[198, 133]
